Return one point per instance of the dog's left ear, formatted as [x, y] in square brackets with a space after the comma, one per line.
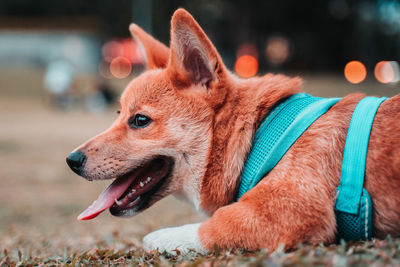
[155, 52]
[193, 58]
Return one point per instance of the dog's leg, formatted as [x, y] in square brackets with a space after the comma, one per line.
[277, 211]
[273, 213]
[182, 238]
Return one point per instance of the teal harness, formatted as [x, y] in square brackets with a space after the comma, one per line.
[286, 123]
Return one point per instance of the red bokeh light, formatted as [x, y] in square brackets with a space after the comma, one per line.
[112, 50]
[246, 66]
[126, 48]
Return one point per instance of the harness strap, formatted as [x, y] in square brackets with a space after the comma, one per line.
[286, 123]
[277, 133]
[355, 155]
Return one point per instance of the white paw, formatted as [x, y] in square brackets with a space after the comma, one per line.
[182, 238]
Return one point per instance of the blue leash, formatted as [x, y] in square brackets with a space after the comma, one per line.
[286, 123]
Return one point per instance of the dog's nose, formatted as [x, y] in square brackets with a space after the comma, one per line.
[75, 161]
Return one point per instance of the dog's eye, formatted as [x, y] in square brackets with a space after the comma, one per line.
[139, 121]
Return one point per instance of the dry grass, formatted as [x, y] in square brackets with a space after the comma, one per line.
[40, 197]
[120, 252]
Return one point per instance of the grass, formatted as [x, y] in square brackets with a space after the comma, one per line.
[122, 253]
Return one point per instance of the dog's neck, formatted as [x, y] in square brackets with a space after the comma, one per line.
[247, 103]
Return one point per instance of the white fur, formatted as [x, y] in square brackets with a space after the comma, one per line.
[183, 238]
[195, 139]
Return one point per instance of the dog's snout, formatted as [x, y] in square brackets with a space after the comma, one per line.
[76, 160]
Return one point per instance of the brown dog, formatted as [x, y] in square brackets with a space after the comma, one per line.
[186, 126]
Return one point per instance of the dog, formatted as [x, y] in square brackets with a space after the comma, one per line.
[186, 126]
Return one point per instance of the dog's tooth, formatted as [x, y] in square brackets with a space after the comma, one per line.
[141, 184]
[133, 190]
[118, 202]
[148, 179]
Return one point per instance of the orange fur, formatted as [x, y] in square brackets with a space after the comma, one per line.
[156, 52]
[205, 117]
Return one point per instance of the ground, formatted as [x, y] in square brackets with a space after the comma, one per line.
[40, 197]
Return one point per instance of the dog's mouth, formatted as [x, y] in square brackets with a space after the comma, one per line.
[133, 191]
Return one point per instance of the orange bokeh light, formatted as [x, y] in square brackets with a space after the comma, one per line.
[384, 72]
[246, 66]
[355, 71]
[120, 67]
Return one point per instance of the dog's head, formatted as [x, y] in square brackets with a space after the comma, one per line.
[160, 141]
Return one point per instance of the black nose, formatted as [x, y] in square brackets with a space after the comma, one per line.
[75, 161]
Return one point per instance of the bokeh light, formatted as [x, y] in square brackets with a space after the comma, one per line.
[387, 72]
[277, 50]
[120, 67]
[123, 48]
[355, 72]
[104, 70]
[246, 66]
[132, 51]
[111, 50]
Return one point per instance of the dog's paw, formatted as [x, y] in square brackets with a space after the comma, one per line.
[183, 238]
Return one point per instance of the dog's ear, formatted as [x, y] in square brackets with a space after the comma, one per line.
[193, 58]
[156, 53]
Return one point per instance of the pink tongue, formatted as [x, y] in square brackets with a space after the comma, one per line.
[106, 199]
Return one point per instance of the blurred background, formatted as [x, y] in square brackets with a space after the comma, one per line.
[63, 65]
